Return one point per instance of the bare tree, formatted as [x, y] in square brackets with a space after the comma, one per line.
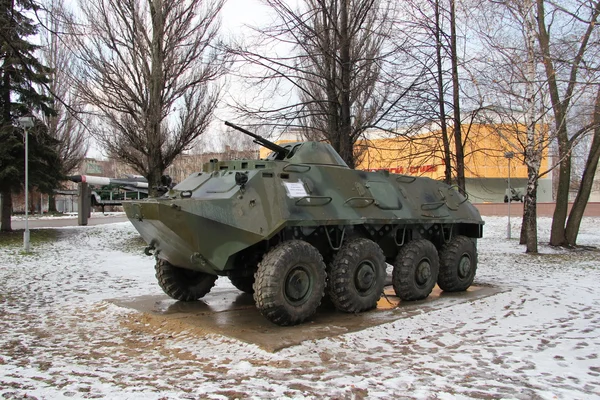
[67, 125]
[439, 62]
[512, 85]
[587, 180]
[234, 145]
[149, 71]
[565, 61]
[456, 126]
[433, 28]
[336, 62]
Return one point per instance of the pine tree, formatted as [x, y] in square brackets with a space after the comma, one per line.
[21, 74]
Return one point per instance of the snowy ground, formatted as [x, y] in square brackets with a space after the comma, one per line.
[60, 338]
[71, 215]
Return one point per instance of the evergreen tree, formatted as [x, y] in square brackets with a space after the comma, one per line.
[21, 74]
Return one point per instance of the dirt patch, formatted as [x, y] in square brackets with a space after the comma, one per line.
[231, 313]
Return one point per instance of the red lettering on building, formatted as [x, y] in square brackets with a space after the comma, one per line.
[408, 170]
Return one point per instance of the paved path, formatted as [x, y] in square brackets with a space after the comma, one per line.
[543, 209]
[58, 222]
[486, 209]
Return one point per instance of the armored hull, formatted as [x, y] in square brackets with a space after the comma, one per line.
[303, 206]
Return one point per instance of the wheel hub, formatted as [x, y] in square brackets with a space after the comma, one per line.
[365, 276]
[297, 285]
[464, 266]
[423, 272]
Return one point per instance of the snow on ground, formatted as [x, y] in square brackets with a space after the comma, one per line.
[60, 338]
[70, 215]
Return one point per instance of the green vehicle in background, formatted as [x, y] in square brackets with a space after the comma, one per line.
[300, 225]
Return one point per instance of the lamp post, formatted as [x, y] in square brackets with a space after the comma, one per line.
[25, 123]
[509, 155]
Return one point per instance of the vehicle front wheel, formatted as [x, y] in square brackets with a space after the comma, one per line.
[415, 270]
[357, 276]
[181, 283]
[290, 283]
[458, 264]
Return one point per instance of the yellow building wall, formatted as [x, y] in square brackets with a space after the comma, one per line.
[484, 153]
[485, 146]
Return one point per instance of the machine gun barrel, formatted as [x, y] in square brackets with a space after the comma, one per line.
[260, 140]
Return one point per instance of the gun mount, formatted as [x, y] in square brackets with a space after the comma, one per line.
[281, 151]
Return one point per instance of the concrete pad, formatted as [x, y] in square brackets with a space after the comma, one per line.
[232, 313]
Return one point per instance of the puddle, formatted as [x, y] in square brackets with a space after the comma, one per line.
[232, 313]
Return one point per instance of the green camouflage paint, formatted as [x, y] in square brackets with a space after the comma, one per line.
[206, 222]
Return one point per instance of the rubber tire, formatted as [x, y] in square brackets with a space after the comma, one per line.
[271, 278]
[404, 276]
[183, 284]
[506, 199]
[342, 273]
[243, 283]
[450, 279]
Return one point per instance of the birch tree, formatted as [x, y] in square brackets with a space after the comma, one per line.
[510, 76]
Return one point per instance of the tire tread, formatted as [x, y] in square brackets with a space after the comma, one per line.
[341, 288]
[448, 279]
[268, 281]
[174, 283]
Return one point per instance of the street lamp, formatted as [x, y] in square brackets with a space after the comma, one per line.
[25, 123]
[509, 155]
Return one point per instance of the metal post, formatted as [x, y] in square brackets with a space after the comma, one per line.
[509, 155]
[84, 204]
[26, 234]
[509, 201]
[26, 122]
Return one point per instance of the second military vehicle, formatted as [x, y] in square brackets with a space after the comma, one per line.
[300, 225]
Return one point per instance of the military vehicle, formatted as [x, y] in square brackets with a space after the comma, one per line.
[514, 194]
[112, 191]
[300, 225]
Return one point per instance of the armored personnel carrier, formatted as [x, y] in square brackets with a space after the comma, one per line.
[300, 225]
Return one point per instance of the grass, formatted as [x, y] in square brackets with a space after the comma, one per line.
[36, 237]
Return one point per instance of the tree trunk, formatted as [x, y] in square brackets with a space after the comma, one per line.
[346, 144]
[155, 140]
[560, 109]
[5, 223]
[51, 203]
[458, 143]
[557, 231]
[533, 152]
[587, 181]
[441, 99]
[529, 235]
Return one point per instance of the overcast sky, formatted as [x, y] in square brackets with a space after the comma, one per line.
[236, 13]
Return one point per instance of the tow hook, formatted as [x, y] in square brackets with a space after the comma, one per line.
[148, 249]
